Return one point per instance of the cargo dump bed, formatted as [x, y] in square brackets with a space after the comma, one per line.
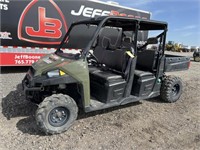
[176, 63]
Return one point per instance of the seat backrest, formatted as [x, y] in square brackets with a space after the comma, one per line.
[112, 35]
[109, 54]
[146, 60]
[113, 59]
[116, 59]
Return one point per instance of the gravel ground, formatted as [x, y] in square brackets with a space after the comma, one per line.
[148, 124]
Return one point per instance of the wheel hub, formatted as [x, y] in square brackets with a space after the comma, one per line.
[175, 89]
[58, 116]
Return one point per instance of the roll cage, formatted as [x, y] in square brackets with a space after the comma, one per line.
[127, 24]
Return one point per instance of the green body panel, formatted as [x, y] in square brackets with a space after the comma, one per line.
[78, 69]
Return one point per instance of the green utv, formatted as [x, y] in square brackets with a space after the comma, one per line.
[111, 69]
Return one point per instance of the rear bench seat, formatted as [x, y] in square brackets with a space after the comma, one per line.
[144, 78]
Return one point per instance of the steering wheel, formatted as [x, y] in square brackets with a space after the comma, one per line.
[91, 58]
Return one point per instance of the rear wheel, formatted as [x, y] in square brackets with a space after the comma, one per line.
[197, 58]
[171, 89]
[56, 114]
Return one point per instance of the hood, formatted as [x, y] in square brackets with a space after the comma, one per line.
[49, 62]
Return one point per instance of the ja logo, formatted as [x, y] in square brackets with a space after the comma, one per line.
[42, 22]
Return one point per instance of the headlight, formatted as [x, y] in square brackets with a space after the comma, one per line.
[55, 73]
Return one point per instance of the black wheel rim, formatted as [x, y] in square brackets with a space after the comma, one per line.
[175, 90]
[58, 116]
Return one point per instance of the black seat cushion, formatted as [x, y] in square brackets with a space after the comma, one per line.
[104, 76]
[93, 69]
[141, 73]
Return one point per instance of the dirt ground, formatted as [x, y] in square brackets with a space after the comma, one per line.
[148, 124]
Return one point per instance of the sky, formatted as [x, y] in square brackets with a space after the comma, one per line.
[183, 17]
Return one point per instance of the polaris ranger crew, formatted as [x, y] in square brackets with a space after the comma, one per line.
[111, 70]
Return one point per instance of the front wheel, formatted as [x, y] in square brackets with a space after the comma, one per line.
[56, 114]
[171, 89]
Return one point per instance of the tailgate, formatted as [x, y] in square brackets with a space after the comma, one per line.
[176, 63]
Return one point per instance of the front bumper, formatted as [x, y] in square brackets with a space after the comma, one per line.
[27, 85]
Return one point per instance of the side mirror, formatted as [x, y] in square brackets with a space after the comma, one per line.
[152, 40]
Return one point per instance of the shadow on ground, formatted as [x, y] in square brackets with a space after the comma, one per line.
[156, 100]
[15, 105]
